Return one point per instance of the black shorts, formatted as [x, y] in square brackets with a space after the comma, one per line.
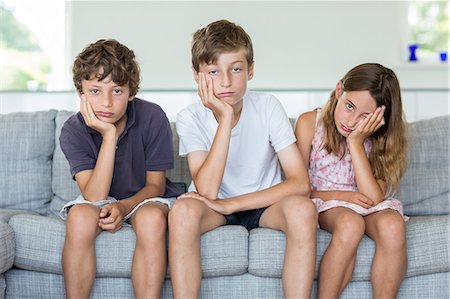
[249, 219]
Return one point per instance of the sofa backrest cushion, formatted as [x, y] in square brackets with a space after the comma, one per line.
[26, 150]
[66, 189]
[424, 188]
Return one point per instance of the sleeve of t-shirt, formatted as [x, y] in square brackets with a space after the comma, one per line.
[280, 128]
[189, 133]
[75, 147]
[159, 146]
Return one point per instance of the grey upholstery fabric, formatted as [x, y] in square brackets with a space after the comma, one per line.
[425, 185]
[26, 149]
[7, 247]
[40, 240]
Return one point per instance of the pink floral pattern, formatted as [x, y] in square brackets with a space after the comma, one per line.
[330, 172]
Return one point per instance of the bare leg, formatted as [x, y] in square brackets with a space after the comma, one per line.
[150, 258]
[338, 262]
[78, 256]
[387, 228]
[297, 218]
[188, 219]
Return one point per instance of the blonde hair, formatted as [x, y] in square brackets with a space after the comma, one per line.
[389, 153]
[217, 38]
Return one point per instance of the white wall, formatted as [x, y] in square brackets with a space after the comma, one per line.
[298, 44]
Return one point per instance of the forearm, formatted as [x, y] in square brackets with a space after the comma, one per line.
[99, 183]
[365, 180]
[328, 195]
[269, 196]
[209, 176]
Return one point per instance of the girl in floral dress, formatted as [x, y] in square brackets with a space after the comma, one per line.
[356, 147]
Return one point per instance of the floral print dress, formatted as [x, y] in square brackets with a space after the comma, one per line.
[329, 172]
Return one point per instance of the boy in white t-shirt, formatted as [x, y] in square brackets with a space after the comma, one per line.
[233, 140]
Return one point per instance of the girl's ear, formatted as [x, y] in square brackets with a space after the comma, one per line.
[339, 90]
[195, 73]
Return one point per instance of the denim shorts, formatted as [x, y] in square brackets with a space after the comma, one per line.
[249, 219]
[80, 200]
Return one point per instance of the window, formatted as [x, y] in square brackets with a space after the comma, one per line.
[32, 44]
[429, 29]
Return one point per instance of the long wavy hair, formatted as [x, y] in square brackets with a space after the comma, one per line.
[389, 153]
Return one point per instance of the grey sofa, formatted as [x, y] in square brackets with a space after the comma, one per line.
[35, 182]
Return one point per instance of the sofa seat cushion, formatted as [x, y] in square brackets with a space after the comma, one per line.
[26, 150]
[40, 240]
[427, 245]
[424, 188]
[7, 247]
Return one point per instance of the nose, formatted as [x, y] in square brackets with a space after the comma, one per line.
[107, 101]
[353, 121]
[225, 80]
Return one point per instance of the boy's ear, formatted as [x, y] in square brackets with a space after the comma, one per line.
[251, 71]
[195, 73]
[339, 90]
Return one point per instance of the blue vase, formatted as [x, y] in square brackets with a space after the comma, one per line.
[443, 56]
[412, 52]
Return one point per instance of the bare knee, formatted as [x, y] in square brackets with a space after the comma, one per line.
[390, 231]
[349, 230]
[150, 222]
[82, 222]
[185, 213]
[300, 213]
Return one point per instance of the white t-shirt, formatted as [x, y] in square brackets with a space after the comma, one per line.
[262, 131]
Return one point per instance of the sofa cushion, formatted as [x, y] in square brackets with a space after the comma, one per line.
[7, 247]
[427, 249]
[39, 244]
[424, 188]
[180, 172]
[26, 150]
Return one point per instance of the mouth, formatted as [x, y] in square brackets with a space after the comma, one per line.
[346, 129]
[225, 94]
[104, 114]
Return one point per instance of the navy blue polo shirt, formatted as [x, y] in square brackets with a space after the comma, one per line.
[145, 145]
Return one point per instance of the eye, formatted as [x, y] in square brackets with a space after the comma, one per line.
[94, 91]
[117, 91]
[349, 106]
[236, 70]
[213, 73]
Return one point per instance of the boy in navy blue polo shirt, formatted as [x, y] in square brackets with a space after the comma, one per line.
[118, 148]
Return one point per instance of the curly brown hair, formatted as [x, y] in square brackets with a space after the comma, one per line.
[389, 153]
[111, 57]
[219, 37]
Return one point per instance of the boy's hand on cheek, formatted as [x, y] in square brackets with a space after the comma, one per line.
[209, 100]
[92, 120]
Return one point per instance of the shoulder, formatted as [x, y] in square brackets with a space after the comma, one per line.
[261, 100]
[193, 113]
[147, 109]
[306, 123]
[74, 123]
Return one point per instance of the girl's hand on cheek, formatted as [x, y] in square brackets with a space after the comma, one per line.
[368, 126]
